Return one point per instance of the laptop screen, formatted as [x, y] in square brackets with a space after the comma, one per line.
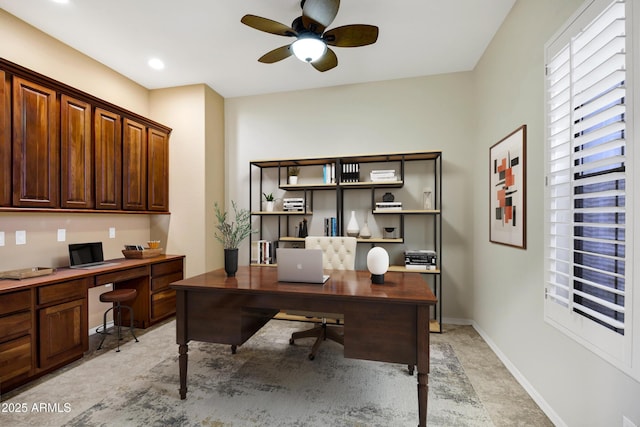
[85, 254]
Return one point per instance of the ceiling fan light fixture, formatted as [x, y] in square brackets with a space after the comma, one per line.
[308, 49]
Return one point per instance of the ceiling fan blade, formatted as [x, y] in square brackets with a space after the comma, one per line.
[268, 26]
[351, 35]
[276, 55]
[319, 14]
[328, 61]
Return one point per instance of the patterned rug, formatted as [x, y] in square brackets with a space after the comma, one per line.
[267, 383]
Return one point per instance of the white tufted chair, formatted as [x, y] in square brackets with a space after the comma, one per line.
[338, 253]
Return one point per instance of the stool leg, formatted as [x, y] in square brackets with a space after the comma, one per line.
[119, 326]
[104, 332]
[131, 322]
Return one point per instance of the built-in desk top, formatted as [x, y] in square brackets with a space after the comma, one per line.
[101, 275]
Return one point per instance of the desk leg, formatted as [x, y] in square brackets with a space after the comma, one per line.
[423, 363]
[182, 360]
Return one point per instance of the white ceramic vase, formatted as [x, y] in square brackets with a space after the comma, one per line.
[293, 179]
[365, 233]
[352, 227]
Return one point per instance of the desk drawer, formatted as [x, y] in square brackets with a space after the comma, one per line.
[15, 358]
[15, 301]
[122, 275]
[71, 290]
[15, 324]
[166, 268]
[163, 304]
[163, 282]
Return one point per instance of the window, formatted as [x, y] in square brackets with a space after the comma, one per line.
[588, 171]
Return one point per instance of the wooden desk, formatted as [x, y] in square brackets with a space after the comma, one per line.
[44, 320]
[388, 323]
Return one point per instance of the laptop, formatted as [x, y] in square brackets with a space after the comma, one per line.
[87, 256]
[300, 265]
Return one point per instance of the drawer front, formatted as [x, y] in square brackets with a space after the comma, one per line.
[122, 275]
[15, 325]
[163, 304]
[15, 358]
[73, 289]
[164, 281]
[166, 268]
[15, 301]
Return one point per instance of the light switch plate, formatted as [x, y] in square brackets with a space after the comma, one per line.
[62, 234]
[1, 238]
[112, 232]
[21, 237]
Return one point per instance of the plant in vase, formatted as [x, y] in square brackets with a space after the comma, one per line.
[270, 201]
[292, 173]
[231, 232]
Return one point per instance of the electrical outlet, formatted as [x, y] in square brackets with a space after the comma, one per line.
[62, 234]
[21, 237]
[112, 232]
[626, 422]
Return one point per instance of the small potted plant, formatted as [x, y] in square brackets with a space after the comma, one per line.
[231, 232]
[270, 201]
[292, 173]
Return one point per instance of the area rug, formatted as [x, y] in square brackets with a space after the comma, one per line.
[267, 383]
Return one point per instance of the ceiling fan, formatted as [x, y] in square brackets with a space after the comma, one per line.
[312, 41]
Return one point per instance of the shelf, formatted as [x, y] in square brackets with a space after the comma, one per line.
[406, 211]
[302, 187]
[280, 213]
[379, 240]
[291, 239]
[371, 184]
[403, 269]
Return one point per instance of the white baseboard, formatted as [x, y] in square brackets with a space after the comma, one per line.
[522, 380]
[456, 321]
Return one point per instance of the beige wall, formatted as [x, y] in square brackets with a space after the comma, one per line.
[196, 158]
[182, 109]
[575, 386]
[421, 114]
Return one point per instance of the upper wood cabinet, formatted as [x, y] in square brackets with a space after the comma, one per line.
[76, 154]
[64, 149]
[158, 171]
[5, 140]
[36, 145]
[108, 144]
[134, 165]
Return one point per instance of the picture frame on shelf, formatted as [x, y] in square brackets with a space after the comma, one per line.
[507, 190]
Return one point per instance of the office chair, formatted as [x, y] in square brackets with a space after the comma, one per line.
[338, 253]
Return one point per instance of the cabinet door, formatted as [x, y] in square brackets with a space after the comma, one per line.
[76, 159]
[36, 145]
[134, 166]
[108, 163]
[158, 171]
[62, 331]
[5, 140]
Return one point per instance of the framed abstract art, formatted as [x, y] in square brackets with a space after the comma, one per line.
[507, 190]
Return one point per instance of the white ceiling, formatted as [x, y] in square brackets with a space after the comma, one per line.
[203, 41]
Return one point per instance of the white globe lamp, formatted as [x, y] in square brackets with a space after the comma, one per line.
[378, 264]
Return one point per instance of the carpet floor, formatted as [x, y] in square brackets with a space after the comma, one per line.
[267, 383]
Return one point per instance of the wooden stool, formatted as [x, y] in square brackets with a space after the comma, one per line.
[117, 297]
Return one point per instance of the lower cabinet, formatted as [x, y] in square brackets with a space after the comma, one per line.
[62, 322]
[163, 298]
[62, 328]
[16, 343]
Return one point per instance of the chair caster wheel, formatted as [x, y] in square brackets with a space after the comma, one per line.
[311, 357]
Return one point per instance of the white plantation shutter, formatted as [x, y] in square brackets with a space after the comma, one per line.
[587, 172]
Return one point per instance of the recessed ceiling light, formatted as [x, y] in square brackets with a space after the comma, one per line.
[156, 64]
[60, 1]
